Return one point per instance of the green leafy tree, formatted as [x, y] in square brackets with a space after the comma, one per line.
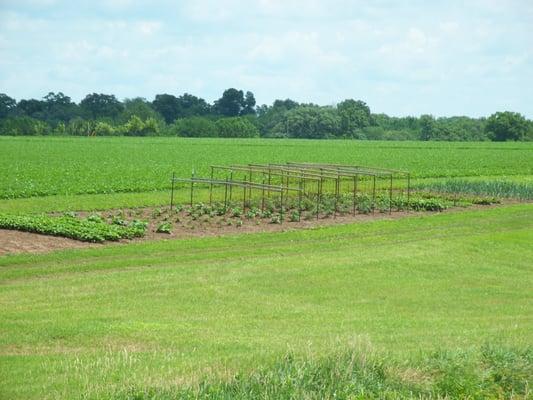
[189, 106]
[140, 107]
[104, 129]
[249, 104]
[427, 127]
[167, 105]
[7, 105]
[311, 122]
[31, 108]
[80, 127]
[137, 127]
[23, 126]
[100, 105]
[195, 127]
[503, 126]
[236, 127]
[233, 103]
[270, 116]
[354, 117]
[59, 108]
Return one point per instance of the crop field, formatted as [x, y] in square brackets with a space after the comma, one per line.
[430, 300]
[51, 166]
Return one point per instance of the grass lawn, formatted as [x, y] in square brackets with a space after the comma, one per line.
[159, 314]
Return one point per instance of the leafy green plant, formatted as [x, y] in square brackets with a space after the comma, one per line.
[90, 229]
[266, 214]
[294, 216]
[236, 212]
[165, 227]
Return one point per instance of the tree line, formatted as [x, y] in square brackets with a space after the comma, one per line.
[236, 114]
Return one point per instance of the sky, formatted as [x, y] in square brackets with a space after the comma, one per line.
[470, 57]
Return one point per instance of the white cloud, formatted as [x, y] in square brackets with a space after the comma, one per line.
[399, 59]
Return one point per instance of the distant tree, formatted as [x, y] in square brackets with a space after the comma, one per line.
[104, 129]
[354, 115]
[312, 122]
[269, 117]
[427, 127]
[236, 127]
[286, 104]
[31, 108]
[101, 106]
[249, 104]
[189, 106]
[167, 105]
[137, 127]
[140, 107]
[194, 127]
[80, 127]
[503, 126]
[59, 108]
[23, 126]
[233, 103]
[7, 105]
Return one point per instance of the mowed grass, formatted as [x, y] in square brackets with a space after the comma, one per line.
[44, 166]
[157, 315]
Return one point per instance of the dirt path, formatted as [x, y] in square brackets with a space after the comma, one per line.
[13, 242]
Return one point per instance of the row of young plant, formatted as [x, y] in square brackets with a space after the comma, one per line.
[90, 229]
[307, 208]
[495, 188]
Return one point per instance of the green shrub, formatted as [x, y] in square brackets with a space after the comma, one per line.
[165, 227]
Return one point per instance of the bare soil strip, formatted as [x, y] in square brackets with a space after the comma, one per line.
[14, 242]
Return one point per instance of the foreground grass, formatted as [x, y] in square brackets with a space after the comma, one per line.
[490, 372]
[129, 319]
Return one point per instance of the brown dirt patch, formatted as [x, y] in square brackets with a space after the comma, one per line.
[13, 242]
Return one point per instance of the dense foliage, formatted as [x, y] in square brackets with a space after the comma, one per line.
[233, 115]
[90, 229]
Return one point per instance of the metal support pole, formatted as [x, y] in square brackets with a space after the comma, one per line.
[263, 196]
[226, 195]
[300, 199]
[281, 205]
[390, 195]
[269, 180]
[319, 197]
[336, 197]
[374, 196]
[230, 186]
[192, 186]
[250, 189]
[244, 197]
[211, 188]
[408, 188]
[172, 192]
[354, 192]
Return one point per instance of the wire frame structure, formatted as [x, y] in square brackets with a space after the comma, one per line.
[311, 181]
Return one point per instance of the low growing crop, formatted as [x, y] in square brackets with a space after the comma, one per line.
[90, 229]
